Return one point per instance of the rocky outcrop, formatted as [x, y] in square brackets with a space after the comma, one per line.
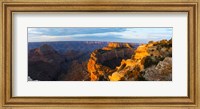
[44, 63]
[145, 57]
[114, 45]
[103, 61]
[45, 53]
[160, 72]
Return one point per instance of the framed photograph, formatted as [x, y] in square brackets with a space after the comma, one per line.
[110, 54]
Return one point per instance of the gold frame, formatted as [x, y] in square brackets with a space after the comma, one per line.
[9, 7]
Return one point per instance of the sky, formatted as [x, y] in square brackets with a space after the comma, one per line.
[112, 34]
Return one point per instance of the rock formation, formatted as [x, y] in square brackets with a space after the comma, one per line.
[145, 56]
[44, 63]
[160, 72]
[118, 62]
[103, 61]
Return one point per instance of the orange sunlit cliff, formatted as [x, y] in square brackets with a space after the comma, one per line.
[120, 61]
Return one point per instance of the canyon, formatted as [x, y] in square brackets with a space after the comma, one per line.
[100, 61]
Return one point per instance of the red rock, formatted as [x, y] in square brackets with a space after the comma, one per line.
[102, 62]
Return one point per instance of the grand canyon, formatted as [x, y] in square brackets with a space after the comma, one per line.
[100, 61]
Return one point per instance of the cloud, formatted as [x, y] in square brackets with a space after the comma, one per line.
[99, 34]
[70, 31]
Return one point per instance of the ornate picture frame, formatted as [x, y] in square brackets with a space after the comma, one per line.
[10, 7]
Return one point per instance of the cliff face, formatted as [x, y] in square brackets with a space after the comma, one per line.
[44, 63]
[103, 61]
[147, 62]
[145, 57]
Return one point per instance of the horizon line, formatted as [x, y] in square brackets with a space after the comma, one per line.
[95, 41]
